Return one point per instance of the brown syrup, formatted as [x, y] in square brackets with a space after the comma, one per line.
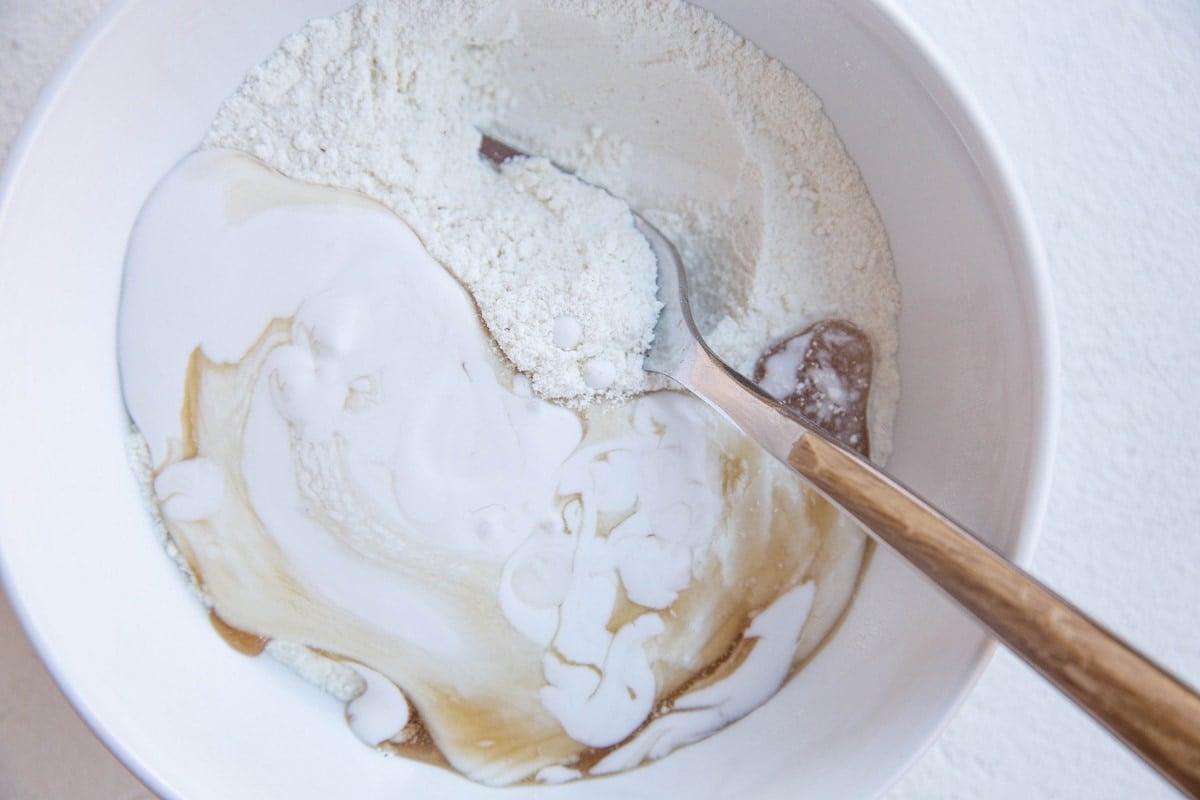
[416, 744]
[247, 644]
[835, 348]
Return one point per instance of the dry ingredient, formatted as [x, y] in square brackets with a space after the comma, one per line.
[719, 146]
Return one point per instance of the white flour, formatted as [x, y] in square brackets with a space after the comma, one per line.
[718, 145]
[365, 102]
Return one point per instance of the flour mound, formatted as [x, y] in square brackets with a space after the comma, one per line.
[389, 101]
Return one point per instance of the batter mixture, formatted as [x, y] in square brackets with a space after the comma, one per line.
[391, 417]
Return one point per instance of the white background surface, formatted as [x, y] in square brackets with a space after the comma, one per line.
[1097, 103]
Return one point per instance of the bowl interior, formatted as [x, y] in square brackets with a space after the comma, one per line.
[133, 650]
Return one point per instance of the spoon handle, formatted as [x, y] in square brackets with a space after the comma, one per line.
[1149, 710]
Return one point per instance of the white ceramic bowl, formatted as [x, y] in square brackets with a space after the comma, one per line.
[132, 649]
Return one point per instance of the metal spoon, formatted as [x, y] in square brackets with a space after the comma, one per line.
[1152, 712]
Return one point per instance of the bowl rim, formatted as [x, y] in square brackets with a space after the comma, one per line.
[10, 171]
[1008, 197]
[965, 115]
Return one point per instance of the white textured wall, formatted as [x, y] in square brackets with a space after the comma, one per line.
[1098, 104]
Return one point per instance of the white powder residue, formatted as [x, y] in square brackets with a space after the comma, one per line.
[779, 378]
[333, 676]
